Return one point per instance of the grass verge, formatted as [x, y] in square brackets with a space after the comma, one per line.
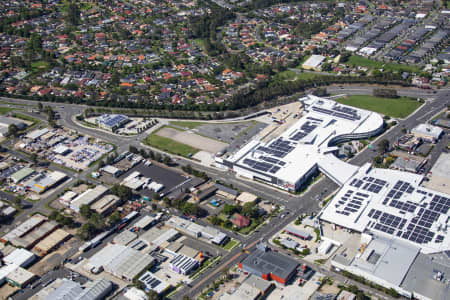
[232, 243]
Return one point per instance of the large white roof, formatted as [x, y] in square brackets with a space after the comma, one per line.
[305, 144]
[392, 203]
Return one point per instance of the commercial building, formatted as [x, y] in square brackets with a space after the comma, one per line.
[111, 122]
[428, 132]
[44, 181]
[88, 197]
[268, 265]
[24, 228]
[251, 288]
[308, 146]
[392, 203]
[20, 257]
[120, 261]
[183, 264]
[113, 171]
[153, 283]
[22, 174]
[313, 62]
[246, 197]
[298, 233]
[106, 205]
[6, 121]
[71, 290]
[51, 242]
[133, 293]
[187, 227]
[20, 277]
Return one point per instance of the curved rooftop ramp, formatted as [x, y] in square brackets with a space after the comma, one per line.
[336, 169]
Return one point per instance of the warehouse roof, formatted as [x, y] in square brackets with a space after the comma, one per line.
[21, 174]
[88, 197]
[428, 130]
[105, 203]
[120, 261]
[20, 276]
[25, 227]
[268, 262]
[313, 61]
[392, 203]
[20, 257]
[52, 240]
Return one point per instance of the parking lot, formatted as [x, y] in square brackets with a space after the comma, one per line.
[165, 176]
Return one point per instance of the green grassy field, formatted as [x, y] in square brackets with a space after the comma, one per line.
[355, 60]
[396, 108]
[286, 75]
[39, 65]
[169, 145]
[5, 110]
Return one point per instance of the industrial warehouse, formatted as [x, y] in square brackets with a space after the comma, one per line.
[392, 203]
[289, 160]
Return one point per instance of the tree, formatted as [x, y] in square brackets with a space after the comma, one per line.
[97, 220]
[13, 130]
[383, 146]
[18, 202]
[385, 93]
[215, 220]
[85, 211]
[229, 209]
[40, 106]
[123, 192]
[152, 295]
[378, 160]
[133, 149]
[73, 14]
[34, 158]
[250, 210]
[87, 231]
[114, 218]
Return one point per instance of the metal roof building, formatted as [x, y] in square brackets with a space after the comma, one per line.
[70, 290]
[120, 261]
[392, 203]
[20, 257]
[269, 265]
[289, 160]
[21, 174]
[105, 204]
[183, 264]
[24, 228]
[153, 283]
[52, 241]
[88, 197]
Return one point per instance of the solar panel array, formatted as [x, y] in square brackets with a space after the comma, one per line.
[304, 130]
[279, 148]
[340, 112]
[261, 166]
[351, 202]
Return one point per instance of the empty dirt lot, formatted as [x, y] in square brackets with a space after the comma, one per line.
[192, 139]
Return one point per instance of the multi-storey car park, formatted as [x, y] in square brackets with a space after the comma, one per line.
[289, 160]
